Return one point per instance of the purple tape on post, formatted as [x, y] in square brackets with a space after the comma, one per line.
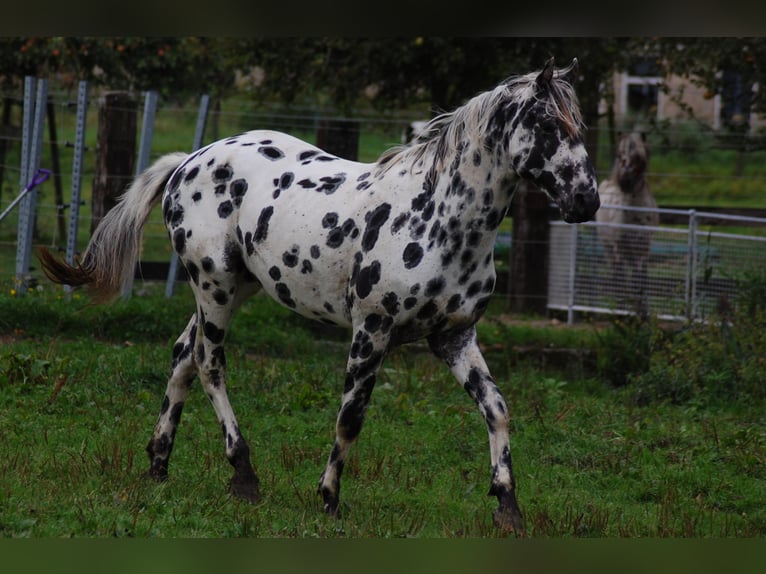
[40, 176]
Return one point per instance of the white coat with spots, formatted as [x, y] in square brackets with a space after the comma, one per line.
[397, 250]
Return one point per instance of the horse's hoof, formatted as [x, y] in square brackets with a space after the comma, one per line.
[330, 502]
[246, 490]
[509, 520]
[157, 475]
[332, 510]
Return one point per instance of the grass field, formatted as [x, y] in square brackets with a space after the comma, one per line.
[80, 388]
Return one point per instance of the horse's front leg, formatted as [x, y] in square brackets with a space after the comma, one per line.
[365, 358]
[460, 350]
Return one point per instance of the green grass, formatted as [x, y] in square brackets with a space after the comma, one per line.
[80, 389]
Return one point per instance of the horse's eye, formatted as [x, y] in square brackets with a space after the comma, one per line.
[548, 126]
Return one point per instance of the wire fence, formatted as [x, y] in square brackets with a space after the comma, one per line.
[176, 123]
[679, 272]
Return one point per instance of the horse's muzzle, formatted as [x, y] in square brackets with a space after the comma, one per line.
[582, 206]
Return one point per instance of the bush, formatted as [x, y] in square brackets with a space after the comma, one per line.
[625, 349]
[723, 359]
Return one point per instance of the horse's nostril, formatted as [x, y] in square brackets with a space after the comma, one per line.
[580, 203]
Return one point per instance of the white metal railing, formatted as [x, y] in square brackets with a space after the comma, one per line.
[672, 271]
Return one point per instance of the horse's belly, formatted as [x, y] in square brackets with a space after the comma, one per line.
[303, 284]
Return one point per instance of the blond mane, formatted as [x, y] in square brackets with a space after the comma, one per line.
[447, 131]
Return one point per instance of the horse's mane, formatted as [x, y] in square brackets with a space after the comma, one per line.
[446, 131]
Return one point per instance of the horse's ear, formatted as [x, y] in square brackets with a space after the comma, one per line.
[544, 78]
[570, 72]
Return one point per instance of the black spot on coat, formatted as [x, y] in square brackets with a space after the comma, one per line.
[368, 277]
[237, 190]
[213, 333]
[412, 255]
[225, 209]
[192, 174]
[271, 152]
[222, 174]
[375, 220]
[179, 240]
[391, 303]
[283, 292]
[262, 228]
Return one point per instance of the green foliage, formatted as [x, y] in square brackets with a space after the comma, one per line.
[626, 348]
[173, 66]
[24, 369]
[721, 359]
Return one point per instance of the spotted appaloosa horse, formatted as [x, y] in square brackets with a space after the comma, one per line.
[398, 250]
[627, 247]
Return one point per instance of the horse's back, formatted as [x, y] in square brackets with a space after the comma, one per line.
[288, 212]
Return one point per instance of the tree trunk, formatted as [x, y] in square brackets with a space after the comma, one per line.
[6, 133]
[215, 117]
[589, 96]
[339, 137]
[528, 281]
[116, 155]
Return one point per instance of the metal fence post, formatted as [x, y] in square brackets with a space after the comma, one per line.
[691, 267]
[572, 274]
[77, 160]
[34, 122]
[144, 150]
[199, 136]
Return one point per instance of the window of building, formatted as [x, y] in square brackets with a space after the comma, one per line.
[641, 89]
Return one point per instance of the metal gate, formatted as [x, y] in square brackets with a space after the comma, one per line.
[671, 271]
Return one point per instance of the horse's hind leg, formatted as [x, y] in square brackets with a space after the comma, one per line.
[365, 358]
[213, 316]
[181, 378]
[460, 350]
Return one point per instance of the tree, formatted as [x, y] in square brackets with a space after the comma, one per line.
[730, 67]
[176, 67]
[712, 62]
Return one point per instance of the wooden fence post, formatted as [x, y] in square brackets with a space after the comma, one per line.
[116, 154]
[7, 132]
[528, 282]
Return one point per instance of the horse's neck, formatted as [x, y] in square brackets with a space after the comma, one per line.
[633, 186]
[636, 194]
[472, 182]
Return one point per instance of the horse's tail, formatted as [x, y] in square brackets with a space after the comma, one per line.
[110, 258]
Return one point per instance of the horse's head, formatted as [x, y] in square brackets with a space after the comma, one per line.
[631, 161]
[546, 141]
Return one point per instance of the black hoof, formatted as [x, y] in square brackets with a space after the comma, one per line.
[246, 488]
[157, 473]
[508, 520]
[508, 515]
[247, 492]
[330, 502]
